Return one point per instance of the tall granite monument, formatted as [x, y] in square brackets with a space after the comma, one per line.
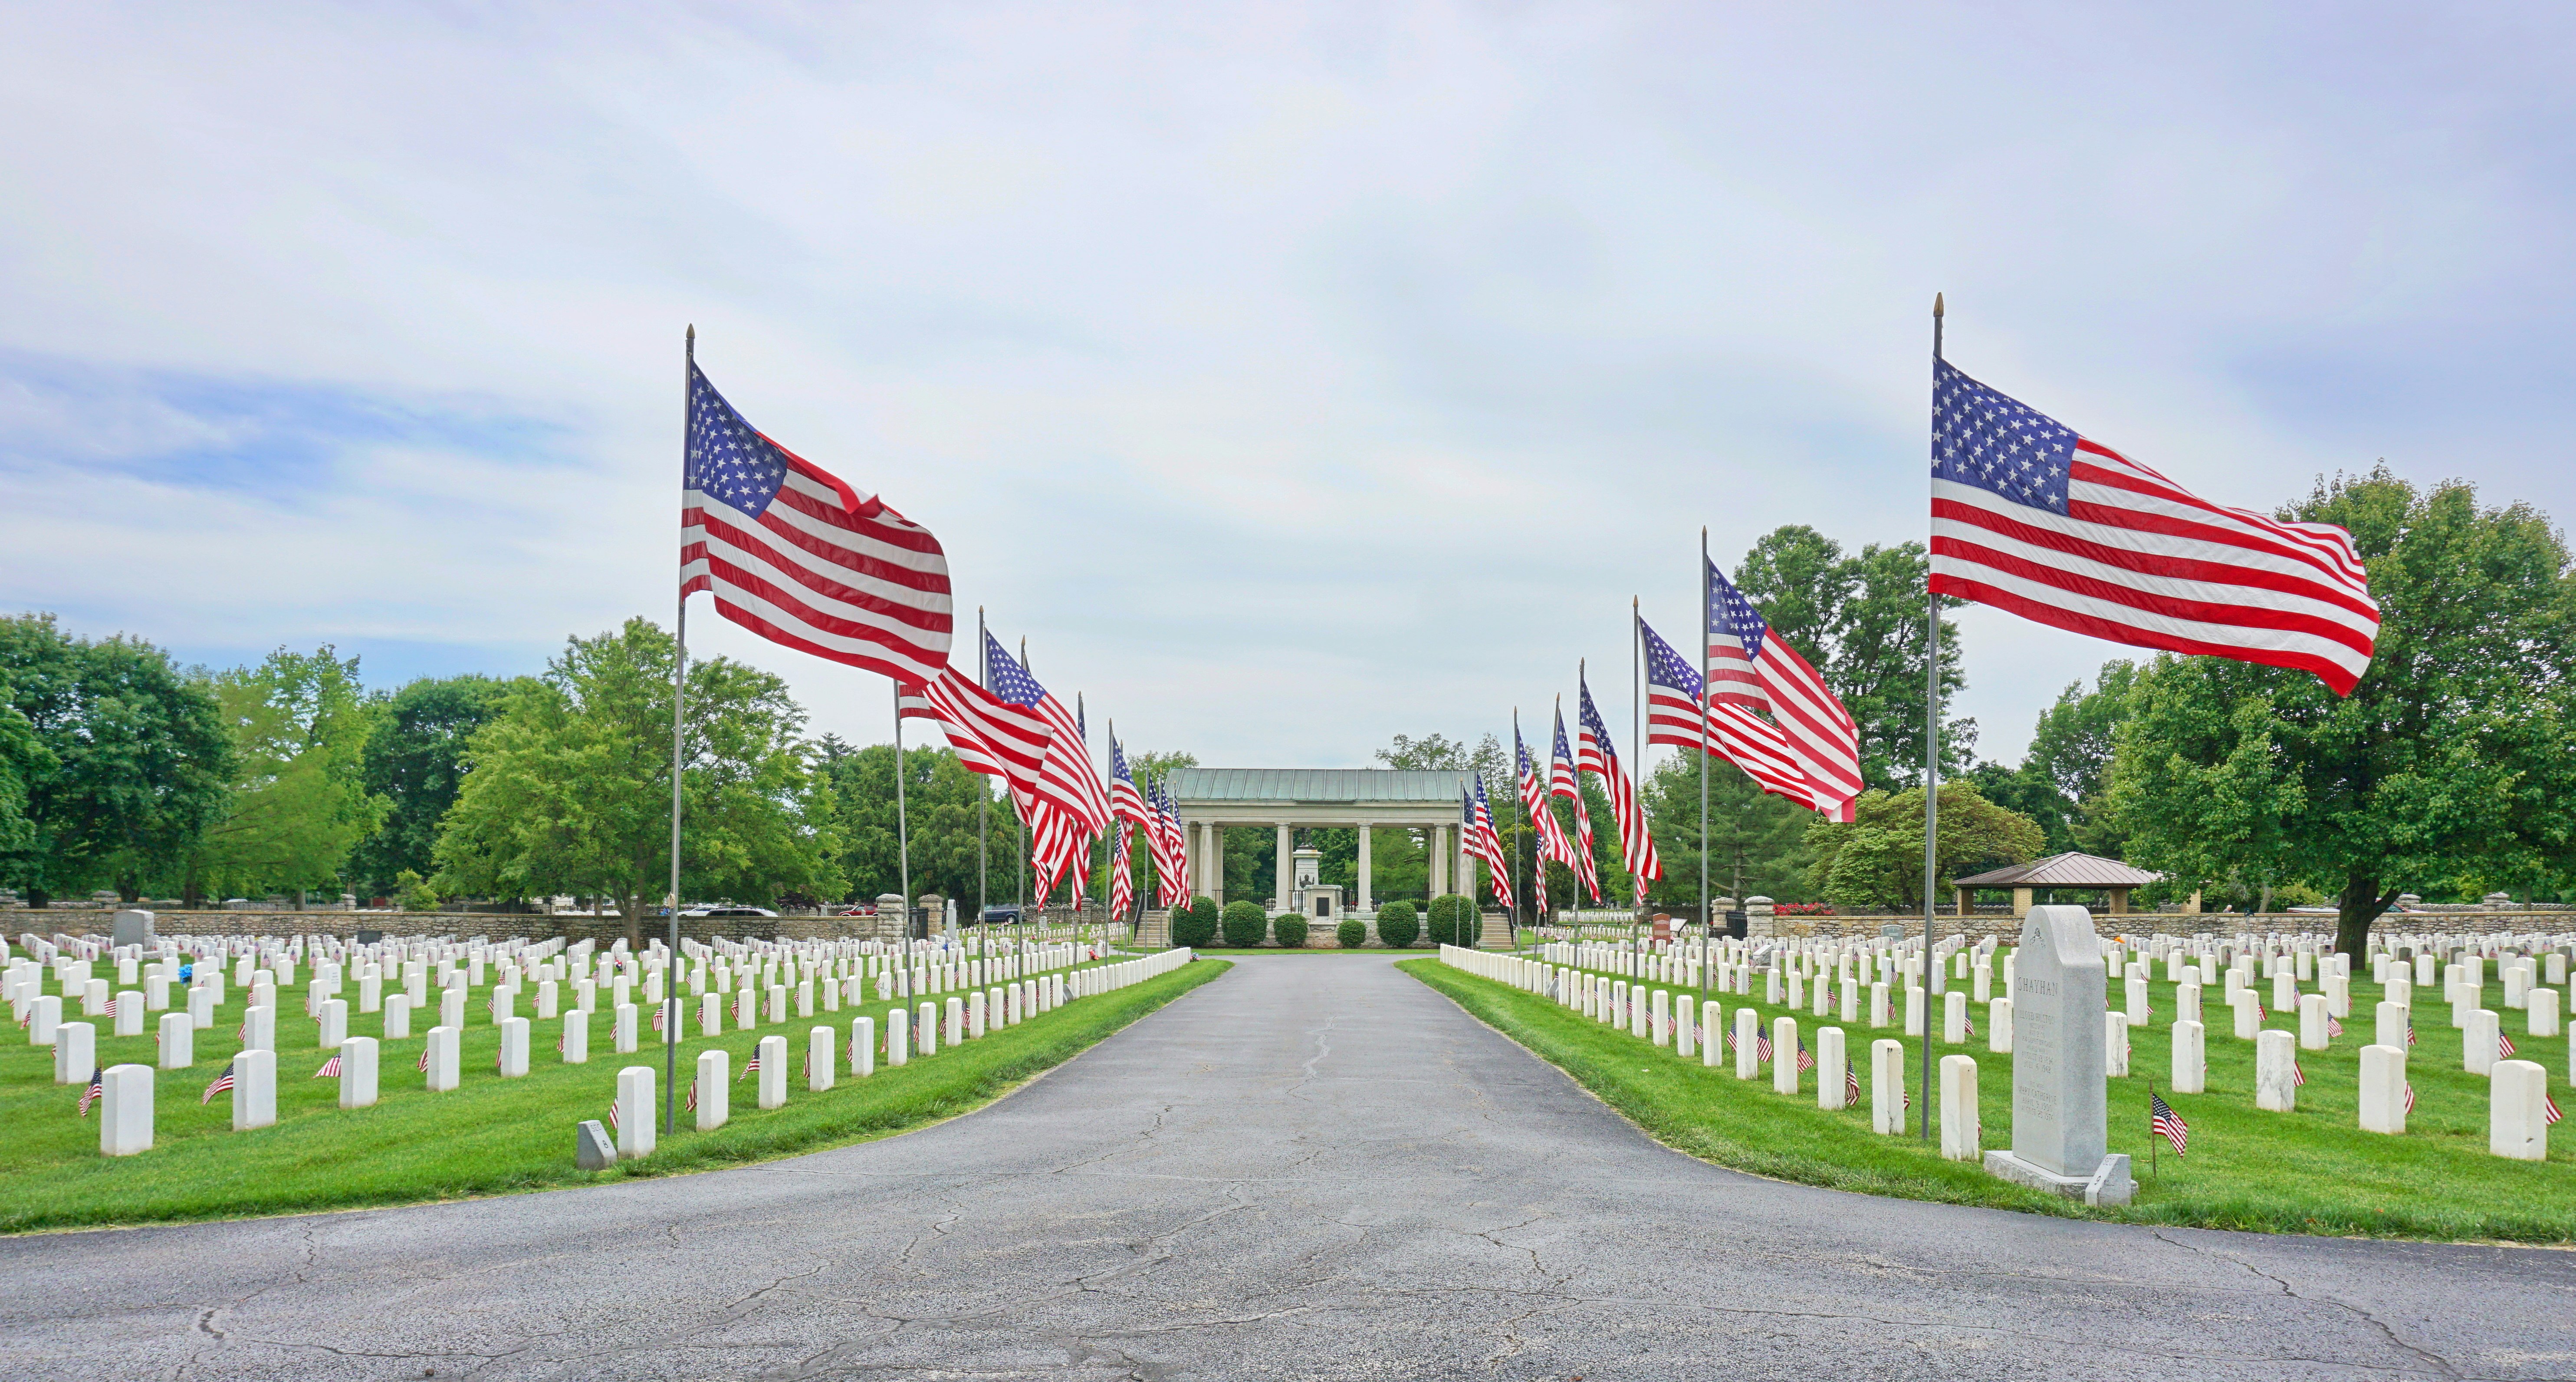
[2060, 1124]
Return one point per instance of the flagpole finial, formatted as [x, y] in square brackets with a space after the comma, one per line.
[1936, 304]
[693, 333]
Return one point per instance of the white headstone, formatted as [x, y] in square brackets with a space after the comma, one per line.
[2517, 1110]
[445, 1060]
[2276, 1081]
[1959, 1120]
[358, 1072]
[2383, 1088]
[125, 1109]
[714, 1090]
[178, 1041]
[254, 1089]
[639, 1112]
[1887, 1086]
[2190, 1058]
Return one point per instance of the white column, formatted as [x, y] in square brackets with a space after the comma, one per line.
[1280, 884]
[1437, 879]
[1365, 904]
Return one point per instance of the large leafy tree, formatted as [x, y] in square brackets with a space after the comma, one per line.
[2062, 778]
[568, 787]
[300, 726]
[24, 761]
[130, 759]
[1860, 620]
[2450, 754]
[1876, 860]
[415, 760]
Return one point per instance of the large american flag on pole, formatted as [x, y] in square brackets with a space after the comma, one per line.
[1171, 851]
[991, 735]
[1125, 802]
[1734, 733]
[799, 557]
[1600, 756]
[2030, 517]
[1542, 817]
[1564, 781]
[1070, 806]
[1818, 733]
[1485, 843]
[1122, 889]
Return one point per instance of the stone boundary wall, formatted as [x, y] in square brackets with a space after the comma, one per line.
[2008, 928]
[529, 926]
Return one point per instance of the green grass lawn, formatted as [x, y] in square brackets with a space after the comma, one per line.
[491, 1136]
[2309, 1171]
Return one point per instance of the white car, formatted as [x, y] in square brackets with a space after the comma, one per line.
[726, 912]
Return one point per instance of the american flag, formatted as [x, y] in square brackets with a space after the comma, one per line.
[1122, 888]
[330, 1068]
[1070, 807]
[1805, 1062]
[1762, 1043]
[1125, 802]
[1851, 1085]
[2549, 1114]
[2032, 518]
[800, 558]
[2334, 1028]
[1734, 733]
[1735, 635]
[692, 1105]
[1171, 850]
[222, 1082]
[2410, 1096]
[991, 736]
[423, 1066]
[2410, 1030]
[1600, 756]
[612, 1115]
[2163, 1122]
[1563, 782]
[1552, 844]
[1484, 842]
[96, 1087]
[1815, 728]
[2504, 1044]
[2298, 1072]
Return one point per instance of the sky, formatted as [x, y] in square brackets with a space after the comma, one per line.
[1289, 376]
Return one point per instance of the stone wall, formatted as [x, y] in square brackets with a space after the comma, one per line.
[498, 926]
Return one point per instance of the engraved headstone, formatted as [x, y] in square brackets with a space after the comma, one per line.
[2060, 1130]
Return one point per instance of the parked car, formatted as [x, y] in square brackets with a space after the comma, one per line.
[861, 910]
[1002, 914]
[727, 912]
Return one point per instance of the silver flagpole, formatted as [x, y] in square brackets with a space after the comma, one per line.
[902, 828]
[1707, 918]
[984, 796]
[679, 700]
[1931, 777]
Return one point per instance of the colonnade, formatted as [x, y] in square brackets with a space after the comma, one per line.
[1451, 869]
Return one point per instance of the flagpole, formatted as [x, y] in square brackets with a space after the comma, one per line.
[902, 828]
[1637, 731]
[1931, 779]
[1513, 914]
[1707, 918]
[1024, 822]
[983, 797]
[679, 699]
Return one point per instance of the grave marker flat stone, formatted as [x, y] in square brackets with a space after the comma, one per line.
[2383, 1088]
[591, 1148]
[254, 1089]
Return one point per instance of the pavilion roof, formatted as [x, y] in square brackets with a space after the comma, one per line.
[1316, 784]
[2068, 870]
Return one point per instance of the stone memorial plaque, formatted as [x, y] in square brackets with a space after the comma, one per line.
[2060, 997]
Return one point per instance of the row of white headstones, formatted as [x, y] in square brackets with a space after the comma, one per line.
[1596, 978]
[265, 964]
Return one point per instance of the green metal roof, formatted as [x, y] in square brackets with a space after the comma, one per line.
[1316, 784]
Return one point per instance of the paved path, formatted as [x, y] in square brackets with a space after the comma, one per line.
[1314, 1167]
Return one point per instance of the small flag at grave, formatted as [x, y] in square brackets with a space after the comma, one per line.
[2410, 1031]
[693, 1096]
[808, 1072]
[1972, 1025]
[424, 1059]
[2163, 1122]
[222, 1082]
[750, 1068]
[1851, 1085]
[97, 1087]
[2298, 1072]
[612, 1115]
[1762, 1045]
[2410, 1097]
[2334, 1028]
[2504, 1045]
[2549, 1113]
[330, 1068]
[242, 1032]
[1805, 1062]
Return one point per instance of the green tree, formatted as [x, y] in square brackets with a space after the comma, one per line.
[568, 787]
[939, 810]
[300, 725]
[1860, 620]
[2449, 754]
[415, 760]
[24, 761]
[1750, 830]
[1875, 862]
[130, 759]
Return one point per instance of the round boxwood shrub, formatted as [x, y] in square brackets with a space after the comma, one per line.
[1245, 924]
[1352, 933]
[1289, 929]
[1195, 925]
[1440, 921]
[1395, 924]
[1470, 922]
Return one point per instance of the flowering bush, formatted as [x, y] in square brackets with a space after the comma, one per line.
[1803, 909]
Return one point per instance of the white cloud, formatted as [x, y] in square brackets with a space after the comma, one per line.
[1293, 376]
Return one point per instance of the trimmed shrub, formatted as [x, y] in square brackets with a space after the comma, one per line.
[1289, 929]
[1440, 921]
[1245, 924]
[1352, 933]
[1395, 924]
[1195, 925]
[1471, 922]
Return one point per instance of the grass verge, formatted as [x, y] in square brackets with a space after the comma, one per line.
[490, 1137]
[2308, 1171]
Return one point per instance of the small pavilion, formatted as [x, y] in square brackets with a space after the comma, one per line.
[1213, 800]
[2061, 871]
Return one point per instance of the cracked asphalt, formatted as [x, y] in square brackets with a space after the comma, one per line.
[1311, 1168]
